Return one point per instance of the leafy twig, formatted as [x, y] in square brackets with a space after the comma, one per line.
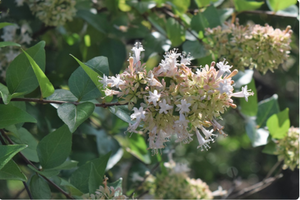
[30, 163]
[104, 105]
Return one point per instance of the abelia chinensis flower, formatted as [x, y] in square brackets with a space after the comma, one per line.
[253, 46]
[174, 101]
[53, 12]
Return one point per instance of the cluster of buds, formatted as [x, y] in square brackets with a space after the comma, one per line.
[175, 184]
[53, 12]
[13, 33]
[173, 100]
[288, 149]
[106, 192]
[252, 46]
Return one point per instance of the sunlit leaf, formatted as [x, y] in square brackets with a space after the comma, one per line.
[279, 124]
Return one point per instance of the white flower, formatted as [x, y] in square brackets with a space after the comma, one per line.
[244, 93]
[26, 38]
[7, 36]
[223, 67]
[11, 55]
[164, 107]
[202, 141]
[184, 106]
[154, 97]
[137, 51]
[117, 81]
[225, 86]
[185, 59]
[152, 81]
[207, 133]
[105, 81]
[138, 114]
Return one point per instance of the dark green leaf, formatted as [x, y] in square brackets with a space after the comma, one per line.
[47, 172]
[20, 76]
[25, 137]
[115, 51]
[142, 6]
[95, 179]
[99, 22]
[199, 22]
[54, 148]
[122, 112]
[279, 124]
[7, 152]
[39, 188]
[175, 32]
[73, 115]
[11, 171]
[10, 115]
[194, 48]
[8, 43]
[117, 184]
[46, 86]
[3, 24]
[212, 16]
[242, 5]
[276, 5]
[99, 64]
[266, 108]
[250, 108]
[71, 188]
[62, 95]
[270, 148]
[80, 178]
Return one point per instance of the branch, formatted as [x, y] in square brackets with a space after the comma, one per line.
[30, 163]
[270, 13]
[27, 189]
[104, 105]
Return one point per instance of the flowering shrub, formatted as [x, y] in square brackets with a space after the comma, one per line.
[174, 100]
[253, 46]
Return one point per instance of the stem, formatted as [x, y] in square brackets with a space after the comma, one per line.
[104, 105]
[270, 13]
[273, 169]
[27, 189]
[19, 193]
[30, 163]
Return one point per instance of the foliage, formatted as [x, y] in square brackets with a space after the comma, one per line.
[61, 132]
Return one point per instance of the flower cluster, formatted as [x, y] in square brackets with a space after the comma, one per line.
[288, 149]
[13, 33]
[173, 100]
[106, 192]
[53, 12]
[176, 184]
[261, 47]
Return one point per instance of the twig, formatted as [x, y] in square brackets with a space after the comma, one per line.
[19, 193]
[30, 163]
[104, 105]
[27, 189]
[270, 13]
[273, 169]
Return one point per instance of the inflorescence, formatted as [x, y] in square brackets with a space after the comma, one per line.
[253, 46]
[173, 100]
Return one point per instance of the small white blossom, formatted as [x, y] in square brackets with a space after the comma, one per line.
[26, 38]
[138, 47]
[138, 114]
[185, 59]
[202, 141]
[152, 81]
[154, 97]
[105, 81]
[19, 2]
[164, 107]
[223, 67]
[225, 86]
[244, 93]
[184, 106]
[208, 134]
[117, 81]
[7, 36]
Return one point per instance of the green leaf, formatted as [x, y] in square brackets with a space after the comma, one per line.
[94, 76]
[62, 95]
[7, 152]
[115, 51]
[291, 11]
[243, 78]
[242, 5]
[95, 179]
[73, 115]
[3, 24]
[175, 32]
[138, 148]
[11, 171]
[266, 108]
[80, 177]
[46, 86]
[195, 48]
[24, 137]
[142, 6]
[99, 22]
[258, 137]
[39, 188]
[54, 148]
[212, 16]
[122, 112]
[250, 108]
[270, 148]
[10, 115]
[199, 22]
[180, 6]
[203, 3]
[20, 77]
[71, 188]
[8, 43]
[85, 89]
[279, 124]
[117, 184]
[47, 172]
[276, 5]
